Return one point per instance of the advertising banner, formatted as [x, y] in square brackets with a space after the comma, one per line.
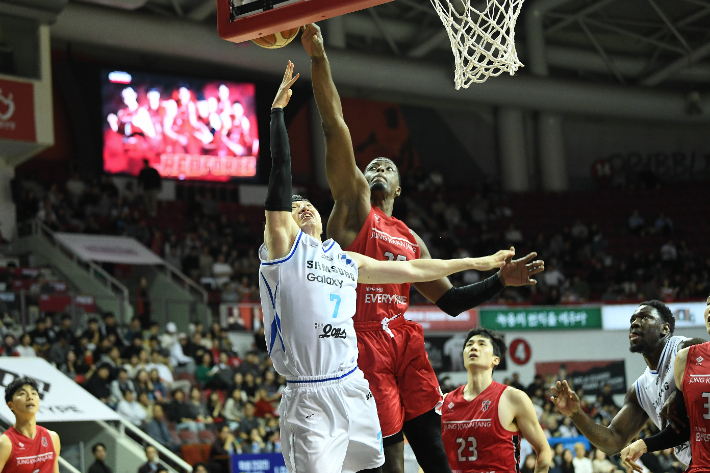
[541, 318]
[112, 249]
[432, 319]
[687, 314]
[258, 463]
[17, 111]
[61, 399]
[589, 375]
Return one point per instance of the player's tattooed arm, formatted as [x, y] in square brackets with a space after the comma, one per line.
[5, 450]
[623, 428]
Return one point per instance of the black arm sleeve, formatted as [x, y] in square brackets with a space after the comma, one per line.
[668, 437]
[458, 299]
[278, 195]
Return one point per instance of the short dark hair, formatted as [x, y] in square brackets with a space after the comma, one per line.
[496, 339]
[97, 445]
[663, 311]
[299, 198]
[17, 384]
[109, 314]
[66, 316]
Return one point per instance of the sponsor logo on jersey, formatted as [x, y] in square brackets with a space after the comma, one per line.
[451, 406]
[22, 445]
[699, 360]
[325, 280]
[44, 441]
[467, 424]
[42, 457]
[368, 396]
[347, 261]
[385, 298]
[333, 332]
[310, 264]
[695, 378]
[701, 435]
[485, 405]
[401, 242]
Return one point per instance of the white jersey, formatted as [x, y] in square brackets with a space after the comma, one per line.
[654, 387]
[308, 301]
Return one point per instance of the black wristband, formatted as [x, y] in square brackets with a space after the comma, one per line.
[458, 299]
[278, 195]
[666, 438]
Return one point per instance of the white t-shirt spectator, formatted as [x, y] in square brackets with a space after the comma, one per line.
[669, 252]
[221, 272]
[132, 411]
[25, 351]
[582, 465]
[553, 277]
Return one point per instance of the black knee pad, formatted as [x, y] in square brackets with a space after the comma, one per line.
[424, 436]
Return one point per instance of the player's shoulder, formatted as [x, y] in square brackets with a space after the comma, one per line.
[515, 395]
[5, 442]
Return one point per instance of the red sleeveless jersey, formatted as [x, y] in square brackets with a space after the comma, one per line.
[696, 391]
[474, 440]
[383, 238]
[30, 455]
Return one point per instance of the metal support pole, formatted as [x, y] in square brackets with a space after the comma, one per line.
[23, 310]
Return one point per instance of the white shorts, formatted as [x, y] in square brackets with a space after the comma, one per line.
[329, 424]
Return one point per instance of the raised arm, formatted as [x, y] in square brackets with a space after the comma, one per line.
[372, 271]
[281, 230]
[347, 183]
[624, 426]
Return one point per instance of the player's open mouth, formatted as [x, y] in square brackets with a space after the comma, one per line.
[380, 178]
[634, 336]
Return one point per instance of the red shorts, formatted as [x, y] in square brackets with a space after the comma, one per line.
[397, 367]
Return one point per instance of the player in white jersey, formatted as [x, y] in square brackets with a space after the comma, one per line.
[651, 334]
[328, 416]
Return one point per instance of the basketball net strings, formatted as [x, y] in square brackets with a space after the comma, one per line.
[483, 42]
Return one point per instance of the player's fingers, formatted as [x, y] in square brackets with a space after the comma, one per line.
[532, 281]
[294, 79]
[525, 259]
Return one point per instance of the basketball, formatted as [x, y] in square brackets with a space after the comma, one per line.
[276, 40]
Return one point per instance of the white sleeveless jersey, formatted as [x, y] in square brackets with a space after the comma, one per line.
[654, 387]
[308, 301]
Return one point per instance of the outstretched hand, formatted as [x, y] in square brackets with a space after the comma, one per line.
[519, 272]
[497, 260]
[312, 40]
[566, 401]
[630, 454]
[284, 93]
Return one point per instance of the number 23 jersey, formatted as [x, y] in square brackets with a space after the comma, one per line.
[474, 440]
[383, 238]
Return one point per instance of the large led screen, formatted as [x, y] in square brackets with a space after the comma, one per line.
[186, 128]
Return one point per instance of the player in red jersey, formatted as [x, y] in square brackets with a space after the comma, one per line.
[391, 349]
[692, 378]
[27, 447]
[482, 421]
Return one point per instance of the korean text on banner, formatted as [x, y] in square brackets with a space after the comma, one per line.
[541, 318]
[17, 111]
[433, 319]
[259, 463]
[61, 399]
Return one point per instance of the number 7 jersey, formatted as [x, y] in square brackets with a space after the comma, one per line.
[474, 439]
[308, 302]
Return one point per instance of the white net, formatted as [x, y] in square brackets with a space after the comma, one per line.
[483, 41]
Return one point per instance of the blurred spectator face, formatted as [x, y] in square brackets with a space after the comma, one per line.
[269, 377]
[195, 394]
[137, 342]
[155, 346]
[66, 323]
[200, 469]
[600, 455]
[249, 379]
[25, 340]
[237, 395]
[224, 358]
[41, 325]
[105, 344]
[154, 375]
[93, 325]
[142, 377]
[9, 341]
[238, 379]
[115, 354]
[158, 412]
[103, 372]
[249, 410]
[207, 359]
[154, 99]
[156, 357]
[135, 325]
[100, 452]
[579, 450]
[567, 456]
[224, 433]
[71, 357]
[123, 376]
[530, 462]
[144, 399]
[254, 435]
[151, 453]
[559, 449]
[143, 357]
[184, 94]
[214, 398]
[110, 320]
[128, 396]
[199, 328]
[179, 396]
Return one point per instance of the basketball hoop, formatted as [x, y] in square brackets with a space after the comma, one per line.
[483, 42]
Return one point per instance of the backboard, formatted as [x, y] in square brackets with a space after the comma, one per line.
[242, 20]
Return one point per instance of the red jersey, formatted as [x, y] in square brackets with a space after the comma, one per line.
[383, 238]
[696, 391]
[30, 455]
[474, 440]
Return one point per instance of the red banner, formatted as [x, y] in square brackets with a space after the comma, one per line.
[432, 319]
[17, 111]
